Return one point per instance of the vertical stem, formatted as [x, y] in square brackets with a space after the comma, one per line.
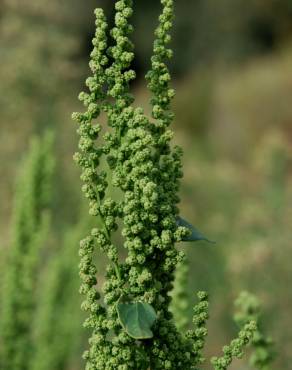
[116, 266]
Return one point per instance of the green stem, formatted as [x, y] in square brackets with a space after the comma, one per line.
[116, 266]
[117, 269]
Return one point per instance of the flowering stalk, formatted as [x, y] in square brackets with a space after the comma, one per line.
[235, 348]
[199, 333]
[249, 308]
[132, 327]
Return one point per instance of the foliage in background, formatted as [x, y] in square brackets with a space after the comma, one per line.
[38, 71]
[255, 195]
[30, 237]
[208, 30]
[57, 328]
[40, 319]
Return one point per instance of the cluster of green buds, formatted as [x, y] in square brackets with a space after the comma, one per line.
[248, 309]
[132, 326]
[235, 348]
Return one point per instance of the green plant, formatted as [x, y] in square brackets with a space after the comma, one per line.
[249, 308]
[33, 66]
[57, 324]
[132, 327]
[29, 232]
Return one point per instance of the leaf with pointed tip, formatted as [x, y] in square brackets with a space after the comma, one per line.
[195, 235]
[137, 319]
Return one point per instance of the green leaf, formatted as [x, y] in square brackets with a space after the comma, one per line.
[137, 319]
[195, 235]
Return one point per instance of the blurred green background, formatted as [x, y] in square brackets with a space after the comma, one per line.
[232, 74]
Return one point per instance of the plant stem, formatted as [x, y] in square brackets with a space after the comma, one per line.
[116, 266]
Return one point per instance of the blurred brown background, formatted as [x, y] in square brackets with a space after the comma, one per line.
[233, 76]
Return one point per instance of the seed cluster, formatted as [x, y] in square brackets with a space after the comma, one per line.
[249, 308]
[137, 158]
[235, 349]
[200, 332]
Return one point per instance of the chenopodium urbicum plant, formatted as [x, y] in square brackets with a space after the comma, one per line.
[132, 327]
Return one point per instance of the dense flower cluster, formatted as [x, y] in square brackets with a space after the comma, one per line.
[137, 158]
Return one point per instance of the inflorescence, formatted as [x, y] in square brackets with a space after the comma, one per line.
[135, 156]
